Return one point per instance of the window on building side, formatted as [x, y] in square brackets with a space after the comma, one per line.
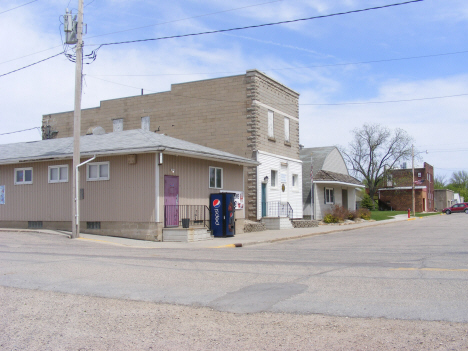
[286, 129]
[274, 178]
[58, 174]
[295, 180]
[419, 174]
[329, 196]
[216, 178]
[117, 125]
[97, 171]
[145, 123]
[23, 176]
[271, 129]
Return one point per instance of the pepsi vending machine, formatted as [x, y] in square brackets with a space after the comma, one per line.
[222, 215]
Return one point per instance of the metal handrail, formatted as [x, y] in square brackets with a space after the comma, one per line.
[197, 215]
[278, 209]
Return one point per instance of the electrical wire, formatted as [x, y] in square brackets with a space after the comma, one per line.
[93, 54]
[337, 104]
[257, 25]
[19, 131]
[14, 8]
[32, 64]
[184, 19]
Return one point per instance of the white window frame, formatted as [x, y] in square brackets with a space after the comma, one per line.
[274, 171]
[216, 178]
[295, 181]
[145, 123]
[419, 175]
[286, 129]
[23, 170]
[98, 164]
[329, 191]
[271, 124]
[117, 125]
[59, 180]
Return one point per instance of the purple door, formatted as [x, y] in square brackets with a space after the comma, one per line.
[171, 201]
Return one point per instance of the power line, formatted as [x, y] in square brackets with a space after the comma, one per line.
[32, 64]
[337, 104]
[288, 68]
[258, 25]
[387, 101]
[19, 131]
[152, 25]
[93, 54]
[184, 19]
[14, 8]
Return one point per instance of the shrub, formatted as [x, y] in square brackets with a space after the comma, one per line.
[340, 212]
[364, 213]
[352, 215]
[330, 218]
[367, 202]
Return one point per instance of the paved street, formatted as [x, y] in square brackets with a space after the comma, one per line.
[414, 270]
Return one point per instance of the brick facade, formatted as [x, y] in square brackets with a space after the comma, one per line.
[397, 193]
[228, 114]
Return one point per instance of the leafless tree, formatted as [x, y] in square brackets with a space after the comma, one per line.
[440, 182]
[374, 149]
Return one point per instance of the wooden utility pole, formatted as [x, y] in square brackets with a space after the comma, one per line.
[412, 166]
[77, 120]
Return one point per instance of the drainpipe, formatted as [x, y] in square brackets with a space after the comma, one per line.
[77, 196]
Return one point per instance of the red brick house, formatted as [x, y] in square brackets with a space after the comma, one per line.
[397, 191]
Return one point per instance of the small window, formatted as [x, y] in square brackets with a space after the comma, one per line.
[216, 178]
[419, 175]
[295, 180]
[329, 196]
[271, 129]
[286, 129]
[58, 174]
[97, 171]
[274, 179]
[35, 224]
[23, 176]
[145, 123]
[93, 225]
[117, 125]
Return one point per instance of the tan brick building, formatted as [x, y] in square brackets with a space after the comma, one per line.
[250, 115]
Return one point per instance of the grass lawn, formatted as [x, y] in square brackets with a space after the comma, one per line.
[381, 215]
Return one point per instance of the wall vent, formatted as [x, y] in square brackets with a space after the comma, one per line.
[93, 225]
[35, 224]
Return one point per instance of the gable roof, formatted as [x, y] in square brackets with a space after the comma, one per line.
[318, 154]
[117, 143]
[327, 176]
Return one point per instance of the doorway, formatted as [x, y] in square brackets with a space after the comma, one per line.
[264, 204]
[344, 198]
[171, 201]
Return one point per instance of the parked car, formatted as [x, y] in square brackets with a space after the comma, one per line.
[457, 208]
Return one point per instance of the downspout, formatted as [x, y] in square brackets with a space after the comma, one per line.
[77, 195]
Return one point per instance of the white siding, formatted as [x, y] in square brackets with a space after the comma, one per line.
[335, 163]
[292, 195]
[321, 208]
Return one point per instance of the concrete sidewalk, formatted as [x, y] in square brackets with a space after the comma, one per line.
[240, 240]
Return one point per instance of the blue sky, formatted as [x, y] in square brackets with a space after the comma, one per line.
[322, 59]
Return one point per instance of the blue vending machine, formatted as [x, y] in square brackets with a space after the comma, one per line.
[222, 214]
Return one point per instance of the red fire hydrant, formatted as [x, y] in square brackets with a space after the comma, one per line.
[409, 212]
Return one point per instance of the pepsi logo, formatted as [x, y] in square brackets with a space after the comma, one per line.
[216, 203]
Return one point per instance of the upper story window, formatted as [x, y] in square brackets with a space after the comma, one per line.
[97, 171]
[274, 178]
[295, 181]
[271, 129]
[429, 177]
[286, 129]
[58, 174]
[419, 174]
[117, 125]
[23, 176]
[216, 178]
[145, 123]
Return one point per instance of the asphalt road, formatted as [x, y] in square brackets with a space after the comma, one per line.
[414, 270]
